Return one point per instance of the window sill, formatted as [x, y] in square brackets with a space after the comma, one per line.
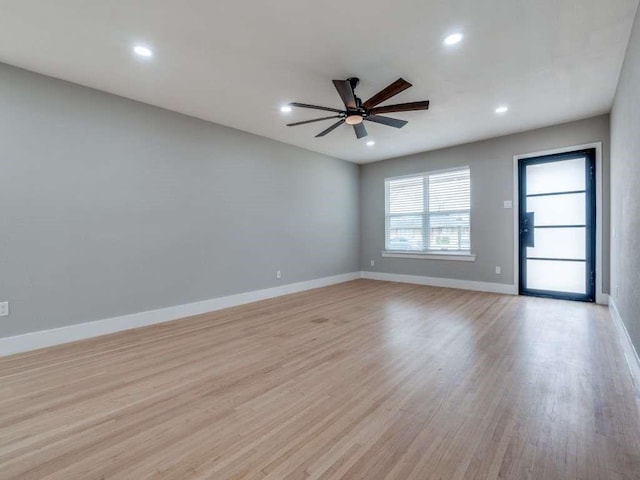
[455, 256]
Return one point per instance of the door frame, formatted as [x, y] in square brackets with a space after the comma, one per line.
[601, 298]
[590, 224]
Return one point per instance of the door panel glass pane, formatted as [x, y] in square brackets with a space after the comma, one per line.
[557, 276]
[558, 209]
[559, 243]
[561, 176]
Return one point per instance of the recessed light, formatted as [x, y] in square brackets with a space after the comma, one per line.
[285, 109]
[502, 109]
[370, 143]
[453, 39]
[142, 51]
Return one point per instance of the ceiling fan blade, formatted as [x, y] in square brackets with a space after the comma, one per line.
[330, 129]
[401, 107]
[315, 107]
[346, 93]
[360, 130]
[395, 88]
[311, 121]
[390, 122]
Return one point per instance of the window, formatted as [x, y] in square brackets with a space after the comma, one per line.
[429, 213]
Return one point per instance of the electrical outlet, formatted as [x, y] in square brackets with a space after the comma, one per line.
[498, 270]
[278, 274]
[373, 263]
[4, 309]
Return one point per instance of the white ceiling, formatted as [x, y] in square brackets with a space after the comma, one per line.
[236, 62]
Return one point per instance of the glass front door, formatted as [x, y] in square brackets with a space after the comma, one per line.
[557, 226]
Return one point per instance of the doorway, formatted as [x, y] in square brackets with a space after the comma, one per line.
[557, 225]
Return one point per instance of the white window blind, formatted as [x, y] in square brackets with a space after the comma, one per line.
[429, 212]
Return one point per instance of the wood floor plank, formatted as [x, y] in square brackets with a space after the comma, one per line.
[363, 380]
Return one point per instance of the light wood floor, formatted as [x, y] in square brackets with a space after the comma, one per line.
[364, 380]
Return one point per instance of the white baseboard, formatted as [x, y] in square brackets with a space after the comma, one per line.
[72, 333]
[630, 352]
[443, 282]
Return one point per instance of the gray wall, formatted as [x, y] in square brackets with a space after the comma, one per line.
[491, 164]
[110, 207]
[625, 190]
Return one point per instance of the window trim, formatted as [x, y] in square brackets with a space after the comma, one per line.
[458, 255]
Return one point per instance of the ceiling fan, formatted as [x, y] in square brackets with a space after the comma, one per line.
[356, 110]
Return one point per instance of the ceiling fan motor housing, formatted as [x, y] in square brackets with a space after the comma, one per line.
[354, 81]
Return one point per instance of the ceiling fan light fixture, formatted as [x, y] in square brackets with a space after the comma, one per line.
[353, 119]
